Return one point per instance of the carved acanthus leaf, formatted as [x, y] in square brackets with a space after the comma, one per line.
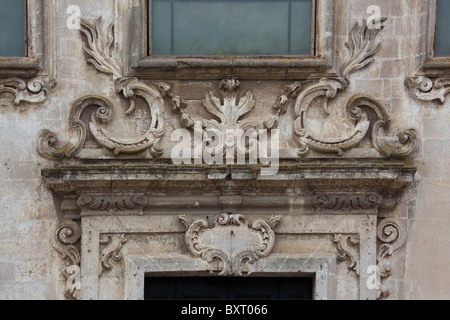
[425, 89]
[232, 240]
[103, 54]
[347, 248]
[231, 110]
[361, 48]
[66, 235]
[33, 91]
[113, 244]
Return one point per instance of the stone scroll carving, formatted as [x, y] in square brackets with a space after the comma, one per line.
[346, 203]
[232, 240]
[34, 91]
[362, 46]
[64, 240]
[113, 203]
[49, 146]
[104, 58]
[392, 236]
[111, 251]
[425, 89]
[347, 247]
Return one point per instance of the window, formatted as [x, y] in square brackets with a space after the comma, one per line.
[21, 37]
[442, 45]
[432, 46]
[231, 27]
[220, 288]
[12, 28]
[247, 39]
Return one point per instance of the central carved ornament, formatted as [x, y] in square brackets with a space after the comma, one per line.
[232, 240]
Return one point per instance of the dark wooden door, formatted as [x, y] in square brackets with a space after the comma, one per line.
[218, 288]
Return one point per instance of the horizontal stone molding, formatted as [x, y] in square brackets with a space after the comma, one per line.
[309, 188]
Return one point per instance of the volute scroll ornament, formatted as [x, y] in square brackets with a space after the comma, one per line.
[361, 48]
[347, 247]
[65, 238]
[392, 235]
[32, 91]
[111, 251]
[103, 56]
[232, 240]
[425, 89]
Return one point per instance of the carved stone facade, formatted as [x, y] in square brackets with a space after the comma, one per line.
[361, 175]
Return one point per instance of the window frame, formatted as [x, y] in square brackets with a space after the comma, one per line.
[429, 64]
[138, 63]
[312, 36]
[32, 63]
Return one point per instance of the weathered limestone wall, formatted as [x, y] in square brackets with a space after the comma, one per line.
[31, 269]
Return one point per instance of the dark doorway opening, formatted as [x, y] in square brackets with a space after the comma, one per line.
[219, 288]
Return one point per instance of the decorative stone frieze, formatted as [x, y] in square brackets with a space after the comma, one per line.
[232, 240]
[229, 109]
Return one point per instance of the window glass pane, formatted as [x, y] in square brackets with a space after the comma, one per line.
[442, 29]
[12, 28]
[231, 27]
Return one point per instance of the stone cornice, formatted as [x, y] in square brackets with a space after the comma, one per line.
[168, 188]
[312, 172]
